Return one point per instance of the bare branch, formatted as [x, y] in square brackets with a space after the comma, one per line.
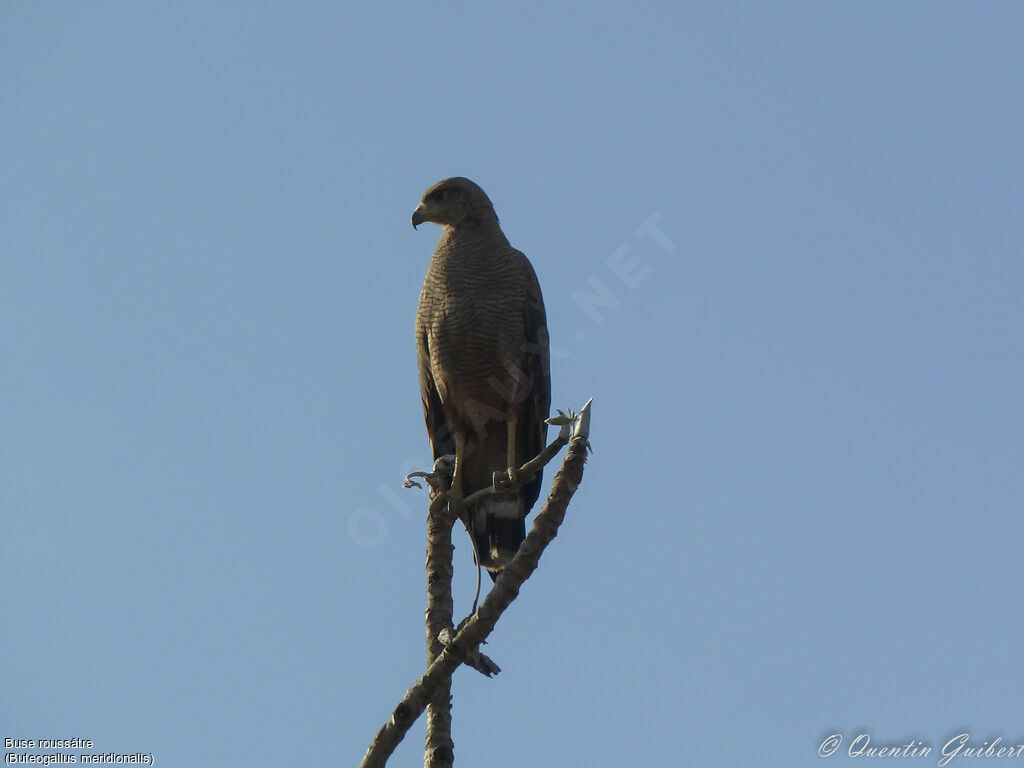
[480, 662]
[526, 472]
[439, 748]
[481, 624]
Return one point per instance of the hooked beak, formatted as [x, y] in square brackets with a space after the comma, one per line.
[417, 218]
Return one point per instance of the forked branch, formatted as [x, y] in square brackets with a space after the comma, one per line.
[467, 641]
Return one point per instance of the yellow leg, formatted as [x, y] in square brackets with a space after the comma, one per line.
[513, 465]
[455, 492]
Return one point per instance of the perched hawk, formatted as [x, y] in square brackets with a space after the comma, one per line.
[482, 346]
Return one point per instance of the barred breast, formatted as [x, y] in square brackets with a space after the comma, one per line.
[472, 308]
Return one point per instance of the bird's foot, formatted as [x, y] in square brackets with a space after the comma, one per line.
[506, 479]
[410, 483]
[438, 480]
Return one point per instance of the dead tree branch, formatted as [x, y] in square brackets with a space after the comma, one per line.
[467, 641]
[439, 747]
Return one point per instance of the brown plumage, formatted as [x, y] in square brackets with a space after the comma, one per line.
[482, 346]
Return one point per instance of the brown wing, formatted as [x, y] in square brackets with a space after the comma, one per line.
[534, 409]
[440, 434]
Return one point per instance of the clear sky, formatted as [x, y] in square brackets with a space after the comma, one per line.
[803, 225]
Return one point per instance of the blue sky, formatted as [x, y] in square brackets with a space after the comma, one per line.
[803, 515]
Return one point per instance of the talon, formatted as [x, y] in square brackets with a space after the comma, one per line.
[437, 480]
[410, 483]
[507, 479]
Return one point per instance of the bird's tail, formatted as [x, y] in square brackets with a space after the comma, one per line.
[498, 528]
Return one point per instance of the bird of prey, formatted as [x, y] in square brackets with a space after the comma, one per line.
[482, 348]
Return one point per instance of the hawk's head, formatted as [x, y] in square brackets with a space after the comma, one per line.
[453, 201]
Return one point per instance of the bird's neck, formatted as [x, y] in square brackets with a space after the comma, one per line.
[468, 233]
